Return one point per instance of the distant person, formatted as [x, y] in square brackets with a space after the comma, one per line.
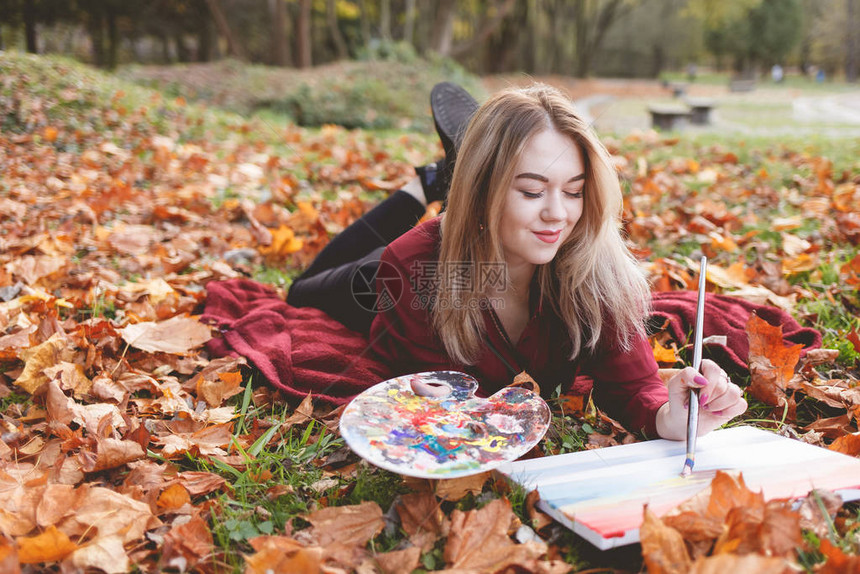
[691, 72]
[535, 198]
[776, 73]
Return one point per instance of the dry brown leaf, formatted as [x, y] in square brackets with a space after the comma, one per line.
[663, 547]
[224, 386]
[539, 520]
[833, 427]
[105, 553]
[303, 413]
[422, 519]
[37, 359]
[478, 540]
[51, 545]
[282, 554]
[701, 519]
[56, 502]
[454, 489]
[112, 453]
[811, 517]
[9, 562]
[187, 543]
[734, 564]
[30, 269]
[398, 561]
[71, 377]
[200, 483]
[209, 440]
[348, 525]
[779, 532]
[105, 512]
[177, 335]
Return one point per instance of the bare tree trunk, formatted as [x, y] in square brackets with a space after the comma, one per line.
[303, 35]
[280, 45]
[165, 47]
[504, 43]
[590, 30]
[366, 34]
[29, 13]
[204, 38]
[487, 27]
[443, 27]
[851, 43]
[234, 47]
[334, 30]
[94, 23]
[385, 19]
[409, 24]
[113, 38]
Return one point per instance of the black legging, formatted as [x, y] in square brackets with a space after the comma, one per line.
[339, 279]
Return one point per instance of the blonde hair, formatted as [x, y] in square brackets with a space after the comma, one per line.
[593, 284]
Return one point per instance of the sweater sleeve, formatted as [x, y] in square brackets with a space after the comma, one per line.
[627, 386]
[401, 334]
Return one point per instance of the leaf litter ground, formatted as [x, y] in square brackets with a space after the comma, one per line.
[125, 446]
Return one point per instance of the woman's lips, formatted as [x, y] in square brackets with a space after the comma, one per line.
[548, 236]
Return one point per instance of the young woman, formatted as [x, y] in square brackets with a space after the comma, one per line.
[525, 270]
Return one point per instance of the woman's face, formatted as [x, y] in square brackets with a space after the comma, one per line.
[544, 201]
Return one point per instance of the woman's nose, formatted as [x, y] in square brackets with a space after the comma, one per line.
[553, 209]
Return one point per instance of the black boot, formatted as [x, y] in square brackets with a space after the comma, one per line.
[452, 108]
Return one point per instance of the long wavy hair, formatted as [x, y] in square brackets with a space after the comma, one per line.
[593, 284]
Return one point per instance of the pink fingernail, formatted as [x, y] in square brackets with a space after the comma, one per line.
[700, 380]
[703, 398]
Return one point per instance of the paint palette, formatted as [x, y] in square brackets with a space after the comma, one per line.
[431, 425]
[600, 494]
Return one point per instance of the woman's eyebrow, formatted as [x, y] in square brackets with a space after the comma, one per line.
[539, 177]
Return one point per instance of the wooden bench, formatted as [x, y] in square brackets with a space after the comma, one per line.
[668, 118]
[700, 110]
[679, 89]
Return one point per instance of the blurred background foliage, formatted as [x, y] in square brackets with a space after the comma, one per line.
[370, 63]
[621, 38]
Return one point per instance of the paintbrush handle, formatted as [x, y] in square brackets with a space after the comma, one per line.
[700, 314]
[693, 407]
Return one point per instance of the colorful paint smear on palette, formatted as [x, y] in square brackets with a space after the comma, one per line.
[600, 494]
[395, 426]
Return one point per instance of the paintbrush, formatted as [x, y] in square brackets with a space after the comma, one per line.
[693, 410]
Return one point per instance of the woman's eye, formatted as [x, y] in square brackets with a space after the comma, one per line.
[531, 194]
[574, 194]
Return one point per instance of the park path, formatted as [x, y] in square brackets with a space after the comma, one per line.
[620, 105]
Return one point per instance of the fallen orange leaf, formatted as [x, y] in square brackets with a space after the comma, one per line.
[771, 362]
[848, 444]
[663, 547]
[49, 546]
[173, 497]
[282, 554]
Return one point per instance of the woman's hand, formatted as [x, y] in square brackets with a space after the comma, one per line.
[720, 400]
